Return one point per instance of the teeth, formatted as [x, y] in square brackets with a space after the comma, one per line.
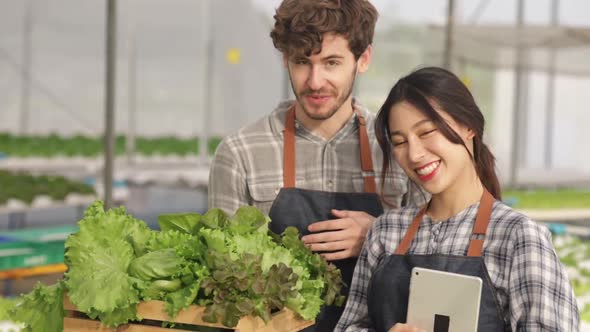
[428, 169]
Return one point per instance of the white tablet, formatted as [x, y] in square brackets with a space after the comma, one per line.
[443, 302]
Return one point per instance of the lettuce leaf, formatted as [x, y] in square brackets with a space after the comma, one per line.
[215, 218]
[186, 245]
[182, 298]
[159, 264]
[98, 257]
[182, 222]
[41, 309]
[248, 219]
[98, 282]
[5, 306]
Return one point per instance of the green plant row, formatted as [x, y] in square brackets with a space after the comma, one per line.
[53, 145]
[548, 199]
[26, 187]
[574, 253]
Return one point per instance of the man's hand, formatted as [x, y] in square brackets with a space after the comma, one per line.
[340, 238]
[404, 328]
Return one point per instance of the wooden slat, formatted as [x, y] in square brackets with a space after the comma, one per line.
[192, 315]
[282, 321]
[88, 325]
[68, 305]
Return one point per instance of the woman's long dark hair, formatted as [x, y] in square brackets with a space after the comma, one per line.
[446, 90]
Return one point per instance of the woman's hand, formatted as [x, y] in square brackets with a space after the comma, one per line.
[399, 327]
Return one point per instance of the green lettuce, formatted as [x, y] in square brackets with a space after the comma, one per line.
[40, 310]
[5, 306]
[157, 264]
[215, 218]
[98, 257]
[182, 222]
[234, 266]
[243, 257]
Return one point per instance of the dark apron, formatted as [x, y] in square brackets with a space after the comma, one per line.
[301, 207]
[387, 295]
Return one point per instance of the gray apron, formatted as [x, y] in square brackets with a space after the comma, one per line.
[387, 295]
[301, 207]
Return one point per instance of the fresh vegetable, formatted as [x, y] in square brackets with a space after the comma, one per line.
[157, 264]
[40, 310]
[5, 306]
[231, 265]
[100, 255]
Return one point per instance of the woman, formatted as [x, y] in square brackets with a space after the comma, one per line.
[433, 128]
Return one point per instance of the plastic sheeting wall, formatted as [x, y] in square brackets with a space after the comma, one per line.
[67, 65]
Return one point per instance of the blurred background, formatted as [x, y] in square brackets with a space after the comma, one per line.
[165, 80]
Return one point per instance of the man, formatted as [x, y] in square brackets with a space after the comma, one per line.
[309, 163]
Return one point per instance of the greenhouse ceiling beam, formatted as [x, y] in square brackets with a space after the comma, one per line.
[109, 137]
[448, 51]
[519, 109]
[208, 84]
[550, 102]
[25, 99]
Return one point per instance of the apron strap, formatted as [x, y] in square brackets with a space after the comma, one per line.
[403, 247]
[289, 150]
[366, 159]
[289, 153]
[479, 227]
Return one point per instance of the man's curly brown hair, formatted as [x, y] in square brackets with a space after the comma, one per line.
[301, 24]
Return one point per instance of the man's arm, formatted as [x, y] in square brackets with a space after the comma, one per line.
[227, 184]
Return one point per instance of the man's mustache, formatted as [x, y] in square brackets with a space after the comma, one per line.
[321, 92]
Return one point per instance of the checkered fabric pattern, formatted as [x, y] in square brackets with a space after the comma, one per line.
[532, 286]
[248, 166]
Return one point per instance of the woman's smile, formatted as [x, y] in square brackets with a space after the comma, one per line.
[428, 171]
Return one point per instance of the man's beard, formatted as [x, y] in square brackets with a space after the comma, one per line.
[339, 102]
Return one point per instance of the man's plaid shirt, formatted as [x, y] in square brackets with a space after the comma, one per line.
[532, 286]
[248, 166]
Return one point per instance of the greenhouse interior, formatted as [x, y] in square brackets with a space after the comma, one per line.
[112, 112]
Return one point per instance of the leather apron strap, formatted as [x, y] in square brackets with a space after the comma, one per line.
[481, 225]
[479, 228]
[289, 152]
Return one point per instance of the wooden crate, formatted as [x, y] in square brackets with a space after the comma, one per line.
[282, 321]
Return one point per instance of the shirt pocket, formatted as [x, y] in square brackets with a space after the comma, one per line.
[263, 193]
[358, 184]
[393, 194]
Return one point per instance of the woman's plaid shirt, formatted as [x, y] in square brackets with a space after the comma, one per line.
[531, 284]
